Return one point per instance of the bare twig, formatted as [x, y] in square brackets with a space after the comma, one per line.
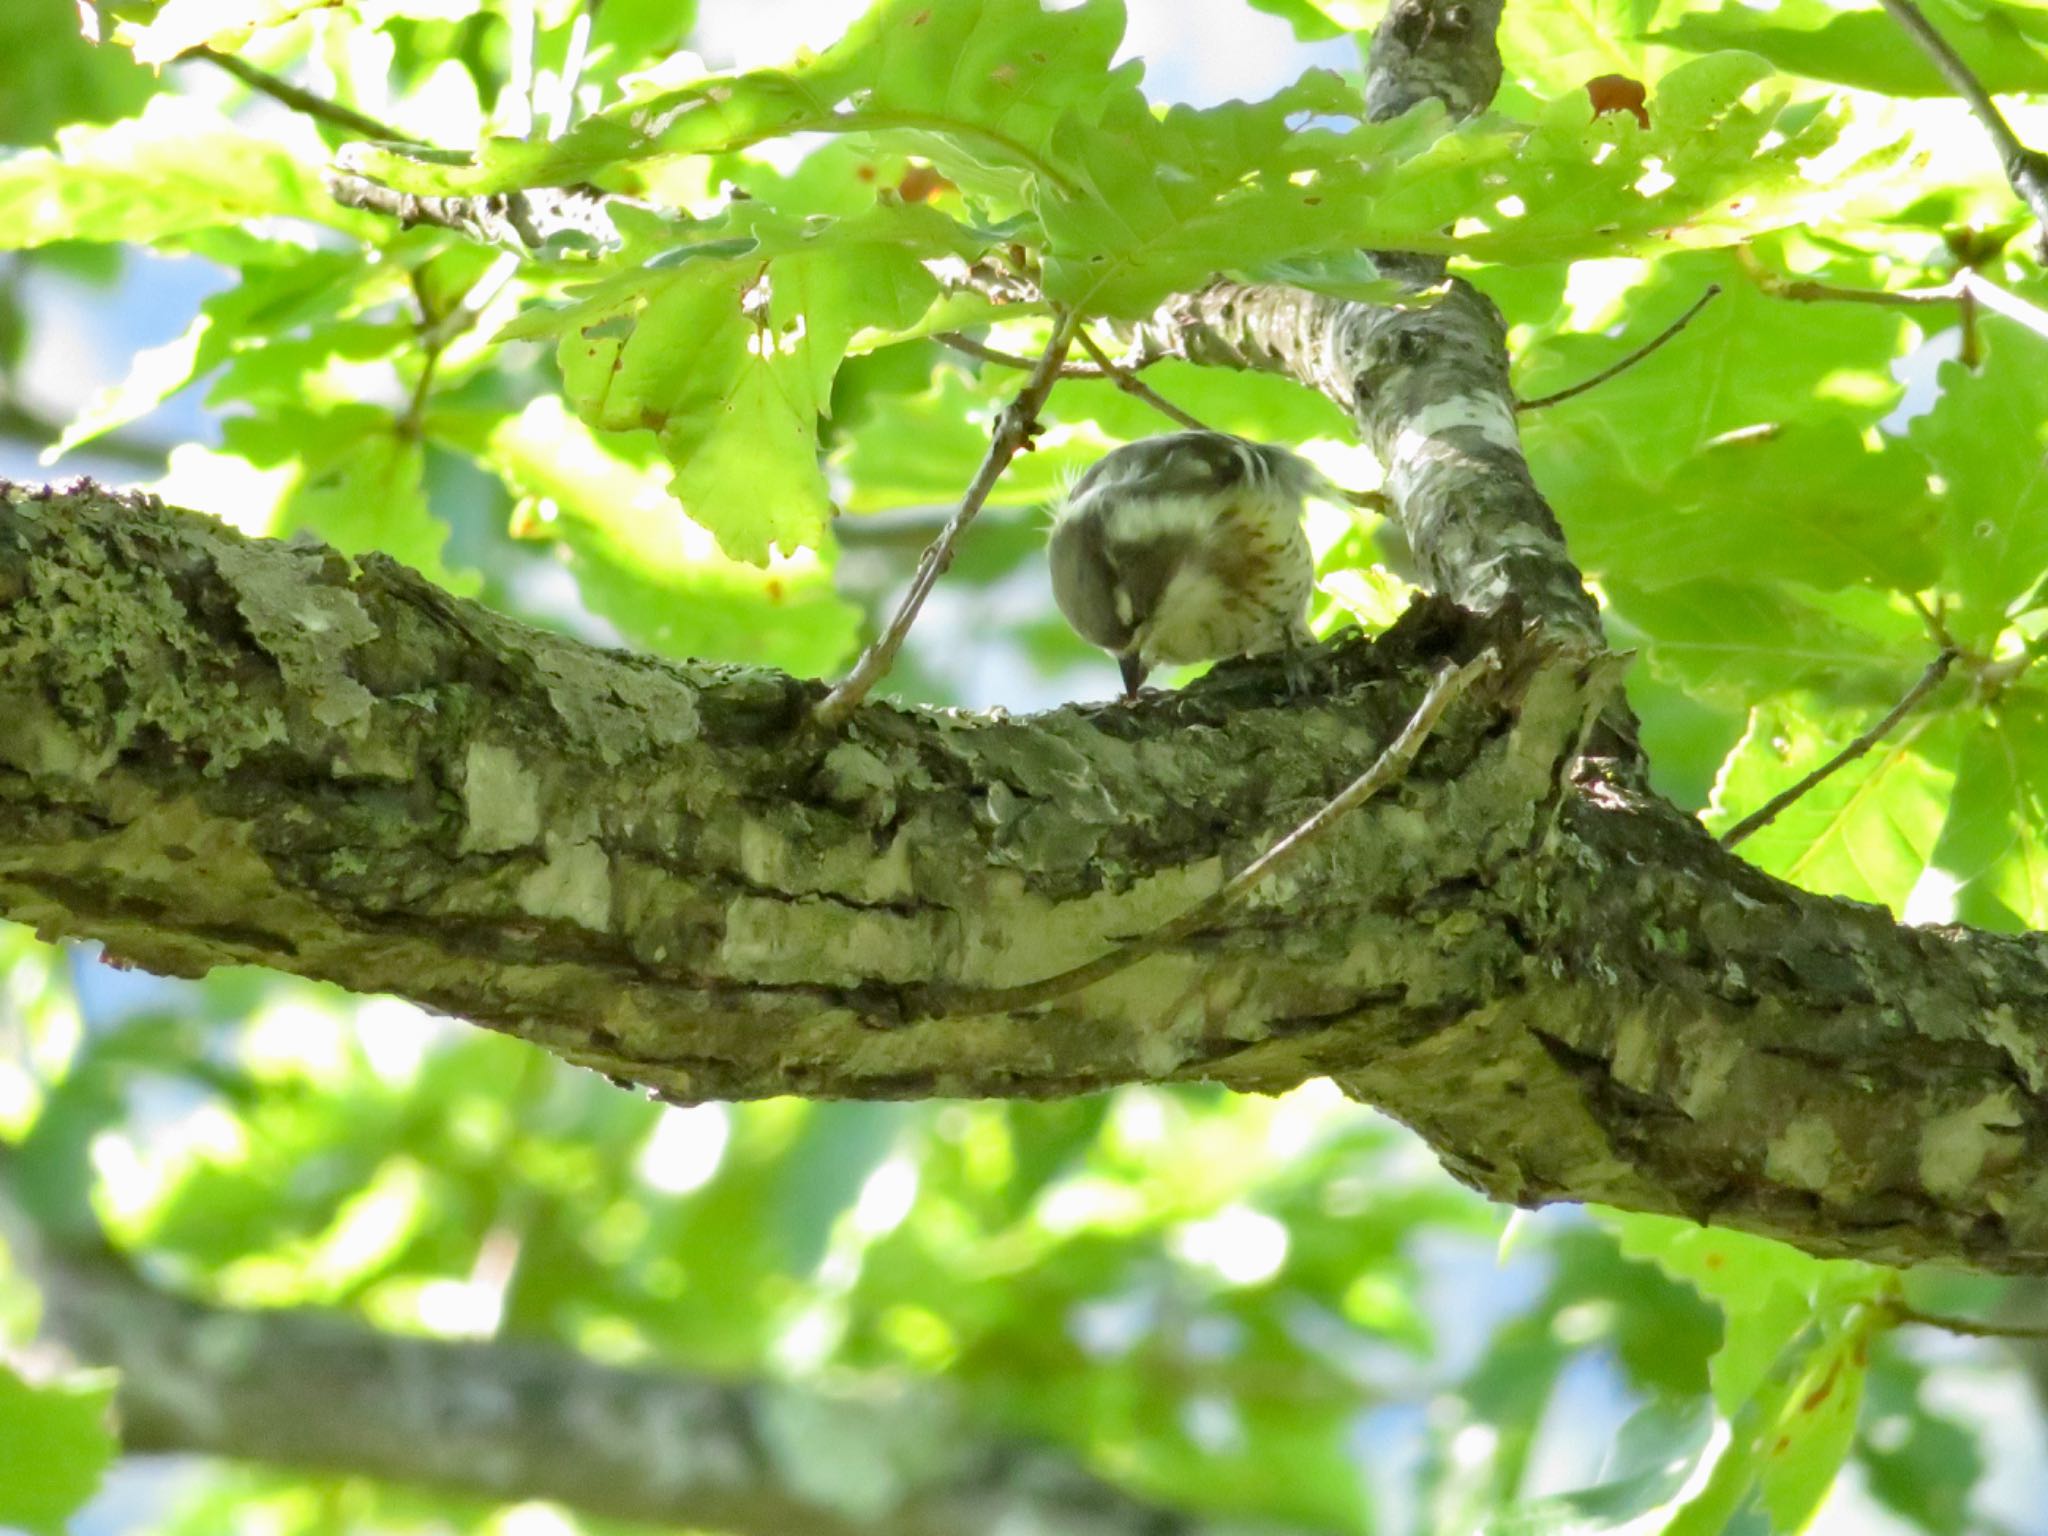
[1389, 768]
[1131, 384]
[1627, 362]
[1013, 433]
[960, 342]
[1764, 815]
[2025, 168]
[1968, 1328]
[1965, 288]
[298, 98]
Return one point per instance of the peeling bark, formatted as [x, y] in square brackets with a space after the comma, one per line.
[224, 751]
[506, 1421]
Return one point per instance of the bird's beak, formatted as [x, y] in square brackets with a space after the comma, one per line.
[1134, 672]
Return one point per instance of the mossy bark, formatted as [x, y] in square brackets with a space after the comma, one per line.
[221, 751]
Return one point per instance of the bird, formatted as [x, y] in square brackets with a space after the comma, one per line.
[1186, 547]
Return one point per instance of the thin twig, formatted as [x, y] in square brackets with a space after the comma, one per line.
[1762, 817]
[1627, 362]
[961, 342]
[1389, 768]
[1013, 433]
[348, 119]
[1898, 1311]
[1131, 384]
[2025, 168]
[1966, 288]
[1121, 375]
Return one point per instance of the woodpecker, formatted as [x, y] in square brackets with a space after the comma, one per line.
[1186, 547]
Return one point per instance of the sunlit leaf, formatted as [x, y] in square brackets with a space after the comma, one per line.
[54, 1447]
[642, 563]
[1863, 48]
[176, 168]
[1994, 506]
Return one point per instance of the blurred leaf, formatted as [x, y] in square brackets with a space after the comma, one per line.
[1918, 1462]
[291, 288]
[1863, 48]
[986, 82]
[627, 34]
[1994, 838]
[71, 81]
[1555, 49]
[1767, 1291]
[355, 480]
[1994, 505]
[1747, 364]
[178, 167]
[641, 562]
[1312, 20]
[1812, 1435]
[1651, 1459]
[54, 1447]
[1735, 642]
[1812, 502]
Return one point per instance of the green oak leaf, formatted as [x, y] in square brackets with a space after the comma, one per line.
[1862, 48]
[729, 359]
[641, 562]
[54, 1447]
[178, 167]
[1868, 830]
[1994, 838]
[1733, 642]
[1994, 505]
[981, 84]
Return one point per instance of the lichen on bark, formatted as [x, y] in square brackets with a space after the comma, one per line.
[663, 873]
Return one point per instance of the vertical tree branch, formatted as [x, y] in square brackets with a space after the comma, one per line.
[2025, 168]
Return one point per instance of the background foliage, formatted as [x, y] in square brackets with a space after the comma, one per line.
[1271, 1309]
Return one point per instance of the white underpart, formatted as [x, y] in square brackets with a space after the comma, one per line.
[1139, 522]
[1489, 413]
[1191, 622]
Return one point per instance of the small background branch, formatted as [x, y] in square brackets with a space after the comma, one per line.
[1131, 384]
[333, 113]
[1967, 1328]
[967, 346]
[1764, 815]
[1627, 362]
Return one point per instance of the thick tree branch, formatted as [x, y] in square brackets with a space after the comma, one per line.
[512, 1421]
[226, 751]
